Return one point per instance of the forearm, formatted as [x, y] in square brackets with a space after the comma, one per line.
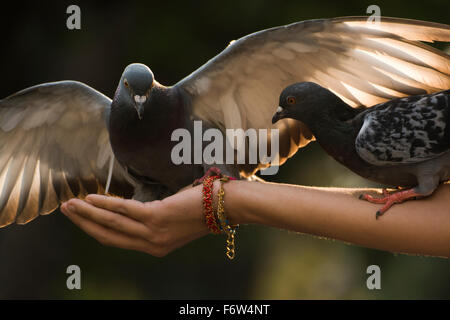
[417, 227]
[159, 227]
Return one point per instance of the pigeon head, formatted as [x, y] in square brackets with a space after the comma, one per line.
[135, 85]
[301, 100]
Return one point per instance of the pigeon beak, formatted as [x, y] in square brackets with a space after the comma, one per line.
[278, 115]
[139, 105]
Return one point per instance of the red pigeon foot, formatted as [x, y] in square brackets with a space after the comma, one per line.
[390, 199]
[213, 171]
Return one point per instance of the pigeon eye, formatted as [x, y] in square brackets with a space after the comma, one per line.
[291, 100]
[125, 82]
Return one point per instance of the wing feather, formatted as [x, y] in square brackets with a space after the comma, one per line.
[54, 145]
[407, 130]
[363, 63]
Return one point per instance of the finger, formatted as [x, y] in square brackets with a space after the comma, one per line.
[131, 208]
[158, 235]
[107, 236]
[106, 218]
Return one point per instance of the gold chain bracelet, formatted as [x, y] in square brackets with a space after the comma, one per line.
[228, 229]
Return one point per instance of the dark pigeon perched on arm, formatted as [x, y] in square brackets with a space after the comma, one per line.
[64, 139]
[404, 142]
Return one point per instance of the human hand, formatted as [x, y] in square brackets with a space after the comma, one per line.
[156, 227]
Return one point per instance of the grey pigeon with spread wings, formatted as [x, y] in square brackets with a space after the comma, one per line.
[65, 139]
[404, 142]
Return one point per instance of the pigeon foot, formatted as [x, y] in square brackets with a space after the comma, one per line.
[213, 171]
[389, 199]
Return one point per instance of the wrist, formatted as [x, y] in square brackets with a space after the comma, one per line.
[188, 204]
[235, 204]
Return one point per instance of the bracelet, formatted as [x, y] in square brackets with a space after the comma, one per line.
[225, 226]
[218, 222]
[208, 211]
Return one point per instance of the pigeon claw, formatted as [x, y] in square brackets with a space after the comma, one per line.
[389, 199]
[372, 199]
[378, 214]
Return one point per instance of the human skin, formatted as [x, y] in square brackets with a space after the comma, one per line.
[159, 227]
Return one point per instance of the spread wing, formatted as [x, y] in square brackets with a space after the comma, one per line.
[406, 130]
[363, 63]
[54, 145]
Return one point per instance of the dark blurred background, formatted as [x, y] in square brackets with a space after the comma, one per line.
[174, 39]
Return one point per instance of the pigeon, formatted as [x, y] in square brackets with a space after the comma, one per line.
[404, 142]
[65, 139]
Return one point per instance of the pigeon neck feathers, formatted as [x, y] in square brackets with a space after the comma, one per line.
[335, 126]
[163, 106]
[328, 117]
[164, 111]
[334, 123]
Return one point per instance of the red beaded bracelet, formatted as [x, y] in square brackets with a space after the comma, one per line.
[208, 211]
